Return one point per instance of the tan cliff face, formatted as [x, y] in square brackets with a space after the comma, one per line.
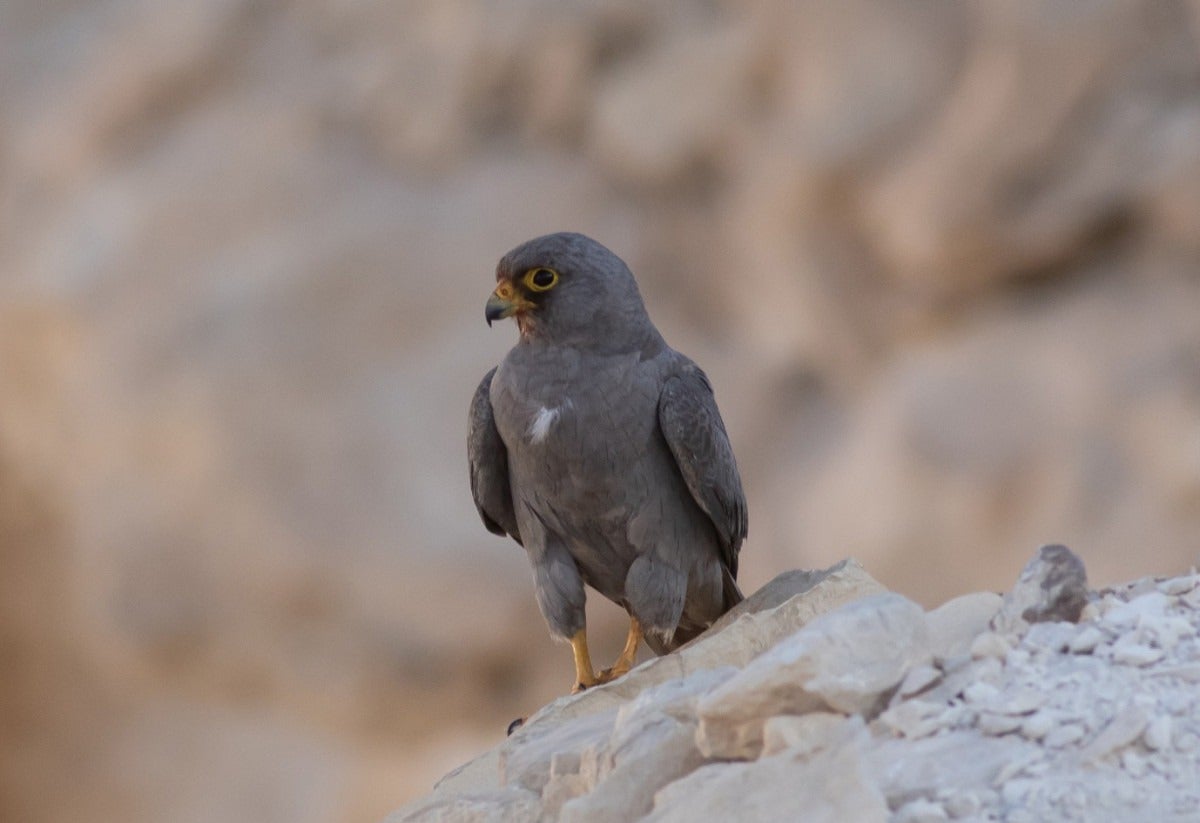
[940, 264]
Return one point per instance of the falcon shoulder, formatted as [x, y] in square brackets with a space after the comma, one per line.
[488, 460]
[695, 434]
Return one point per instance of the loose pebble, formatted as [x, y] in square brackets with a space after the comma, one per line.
[1135, 654]
[990, 644]
[1022, 700]
[1039, 725]
[1088, 638]
[981, 693]
[962, 804]
[996, 724]
[1064, 735]
[1133, 763]
[920, 811]
[919, 679]
[1179, 585]
[1157, 736]
[1147, 607]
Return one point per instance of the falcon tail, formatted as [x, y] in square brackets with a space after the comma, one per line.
[729, 589]
[731, 595]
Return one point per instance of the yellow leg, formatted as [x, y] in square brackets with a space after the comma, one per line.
[628, 654]
[585, 676]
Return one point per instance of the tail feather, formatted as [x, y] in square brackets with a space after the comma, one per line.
[729, 590]
[687, 631]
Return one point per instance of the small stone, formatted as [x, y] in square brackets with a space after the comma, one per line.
[998, 724]
[915, 718]
[1133, 763]
[1135, 654]
[1064, 735]
[962, 804]
[977, 693]
[955, 624]
[1139, 587]
[1049, 637]
[990, 644]
[1189, 672]
[1088, 638]
[1125, 728]
[1052, 587]
[1153, 604]
[1015, 767]
[920, 811]
[1022, 700]
[1015, 791]
[1157, 736]
[1168, 631]
[1038, 725]
[1176, 586]
[918, 680]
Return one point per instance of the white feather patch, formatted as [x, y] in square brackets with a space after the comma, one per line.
[540, 427]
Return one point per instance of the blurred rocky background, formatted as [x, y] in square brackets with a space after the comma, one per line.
[942, 262]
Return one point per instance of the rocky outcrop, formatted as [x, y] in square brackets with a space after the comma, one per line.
[825, 698]
[938, 259]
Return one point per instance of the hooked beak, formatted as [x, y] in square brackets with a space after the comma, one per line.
[505, 302]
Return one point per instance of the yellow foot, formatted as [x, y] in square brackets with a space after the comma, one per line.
[585, 676]
[628, 654]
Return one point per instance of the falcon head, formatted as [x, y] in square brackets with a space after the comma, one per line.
[568, 289]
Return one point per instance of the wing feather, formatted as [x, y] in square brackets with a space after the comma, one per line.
[488, 460]
[695, 433]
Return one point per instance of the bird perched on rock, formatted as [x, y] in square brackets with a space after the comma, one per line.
[600, 449]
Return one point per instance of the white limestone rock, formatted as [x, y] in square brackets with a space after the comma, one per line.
[509, 805]
[1126, 727]
[1179, 585]
[775, 611]
[526, 757]
[829, 788]
[844, 660]
[1052, 587]
[1055, 723]
[1085, 642]
[918, 679]
[640, 762]
[990, 644]
[1157, 736]
[800, 735]
[955, 624]
[479, 775]
[920, 811]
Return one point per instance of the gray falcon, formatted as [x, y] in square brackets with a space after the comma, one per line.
[600, 449]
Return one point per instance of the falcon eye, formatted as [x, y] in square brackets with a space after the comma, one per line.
[541, 279]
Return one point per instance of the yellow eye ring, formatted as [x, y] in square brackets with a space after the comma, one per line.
[540, 279]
